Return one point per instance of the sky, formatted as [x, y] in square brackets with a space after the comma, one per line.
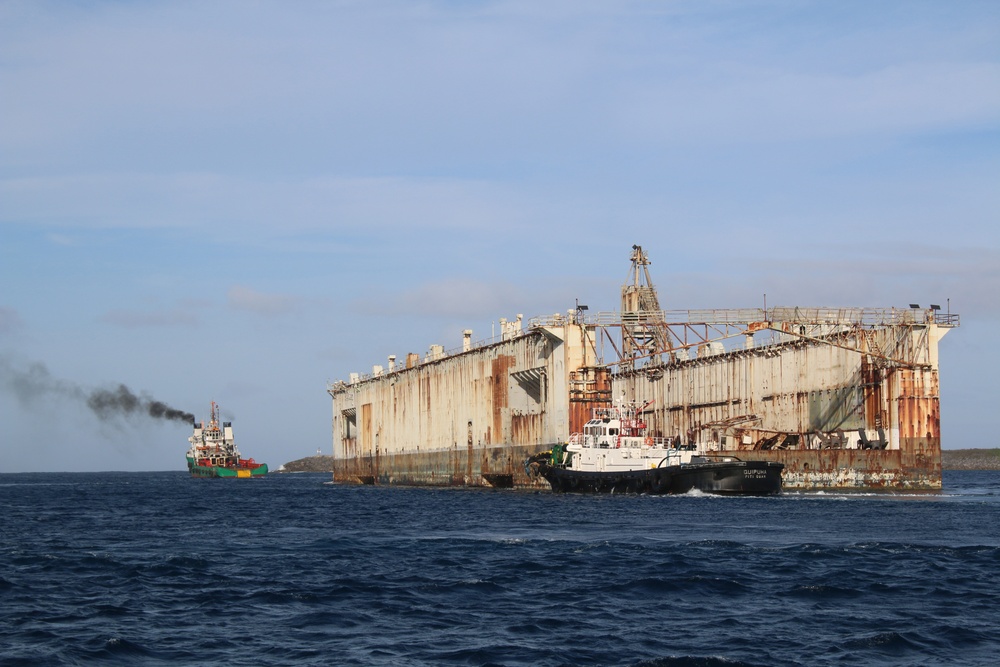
[242, 202]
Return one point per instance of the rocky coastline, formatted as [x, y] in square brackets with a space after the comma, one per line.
[309, 464]
[951, 459]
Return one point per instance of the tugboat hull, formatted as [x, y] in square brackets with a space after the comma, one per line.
[743, 478]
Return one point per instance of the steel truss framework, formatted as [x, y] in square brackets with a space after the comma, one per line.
[884, 334]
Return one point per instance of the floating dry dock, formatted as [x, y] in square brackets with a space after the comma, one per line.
[845, 398]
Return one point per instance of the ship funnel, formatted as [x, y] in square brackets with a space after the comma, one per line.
[466, 340]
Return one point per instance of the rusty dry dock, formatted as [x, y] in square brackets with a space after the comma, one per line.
[846, 398]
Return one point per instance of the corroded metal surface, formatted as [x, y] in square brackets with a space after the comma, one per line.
[492, 466]
[815, 407]
[847, 469]
[589, 388]
[833, 414]
[454, 418]
[845, 398]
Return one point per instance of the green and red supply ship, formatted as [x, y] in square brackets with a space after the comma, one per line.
[213, 452]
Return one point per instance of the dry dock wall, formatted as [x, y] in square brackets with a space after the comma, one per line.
[470, 417]
[843, 403]
[810, 402]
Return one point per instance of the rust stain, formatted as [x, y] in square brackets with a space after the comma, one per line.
[499, 375]
[850, 468]
[526, 429]
[871, 382]
[469, 454]
[503, 463]
[456, 418]
[589, 388]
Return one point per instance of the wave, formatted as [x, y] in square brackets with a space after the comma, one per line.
[698, 661]
[296, 572]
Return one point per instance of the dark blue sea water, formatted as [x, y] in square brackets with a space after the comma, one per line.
[162, 569]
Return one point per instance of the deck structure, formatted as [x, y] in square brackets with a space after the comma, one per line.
[845, 398]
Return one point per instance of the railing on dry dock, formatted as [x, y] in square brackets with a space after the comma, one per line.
[788, 314]
[773, 317]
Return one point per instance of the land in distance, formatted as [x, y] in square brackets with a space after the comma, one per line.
[317, 463]
[970, 459]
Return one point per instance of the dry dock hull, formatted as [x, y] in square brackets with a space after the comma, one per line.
[499, 466]
[856, 469]
[502, 466]
[846, 398]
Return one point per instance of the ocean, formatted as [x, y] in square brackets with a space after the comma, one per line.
[161, 569]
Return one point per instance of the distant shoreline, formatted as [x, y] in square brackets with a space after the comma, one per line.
[970, 459]
[951, 459]
[317, 463]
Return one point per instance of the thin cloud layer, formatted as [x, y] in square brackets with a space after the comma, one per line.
[283, 192]
[217, 203]
[132, 319]
[10, 320]
[268, 305]
[748, 106]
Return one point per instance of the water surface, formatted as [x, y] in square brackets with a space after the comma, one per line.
[162, 569]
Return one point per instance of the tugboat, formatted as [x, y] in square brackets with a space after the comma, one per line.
[213, 452]
[614, 454]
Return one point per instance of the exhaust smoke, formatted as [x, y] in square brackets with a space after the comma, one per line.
[35, 384]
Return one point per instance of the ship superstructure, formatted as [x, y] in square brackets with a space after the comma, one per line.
[213, 451]
[844, 398]
[615, 454]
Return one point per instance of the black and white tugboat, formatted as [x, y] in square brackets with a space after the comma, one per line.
[614, 454]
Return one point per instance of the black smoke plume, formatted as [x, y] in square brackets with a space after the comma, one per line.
[35, 384]
[107, 404]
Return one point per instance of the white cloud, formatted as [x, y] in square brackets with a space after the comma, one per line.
[133, 319]
[752, 105]
[10, 320]
[260, 303]
[449, 298]
[225, 203]
[434, 166]
[469, 299]
[60, 239]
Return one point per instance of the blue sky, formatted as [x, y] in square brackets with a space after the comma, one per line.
[240, 202]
